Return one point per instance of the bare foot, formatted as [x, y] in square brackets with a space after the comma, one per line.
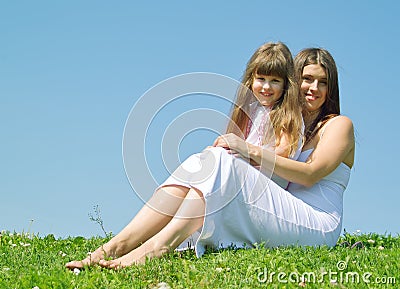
[137, 256]
[91, 259]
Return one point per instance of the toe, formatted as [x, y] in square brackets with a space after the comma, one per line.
[104, 263]
[74, 264]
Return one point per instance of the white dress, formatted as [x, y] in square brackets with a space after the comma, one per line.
[245, 207]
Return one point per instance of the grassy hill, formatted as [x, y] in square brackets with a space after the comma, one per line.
[358, 261]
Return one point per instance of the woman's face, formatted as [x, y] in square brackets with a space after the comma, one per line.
[268, 89]
[314, 86]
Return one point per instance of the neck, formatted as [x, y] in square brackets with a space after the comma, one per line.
[310, 117]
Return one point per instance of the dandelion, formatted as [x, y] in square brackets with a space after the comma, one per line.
[36, 287]
[77, 271]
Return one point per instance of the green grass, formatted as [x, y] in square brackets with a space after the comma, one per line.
[31, 261]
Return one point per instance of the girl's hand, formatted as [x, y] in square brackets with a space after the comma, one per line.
[233, 144]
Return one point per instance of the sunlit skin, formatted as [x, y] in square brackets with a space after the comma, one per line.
[134, 245]
[185, 207]
[337, 145]
[314, 86]
[268, 89]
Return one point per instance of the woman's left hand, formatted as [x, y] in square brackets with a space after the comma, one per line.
[233, 144]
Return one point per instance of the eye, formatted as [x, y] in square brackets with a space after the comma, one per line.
[260, 78]
[307, 78]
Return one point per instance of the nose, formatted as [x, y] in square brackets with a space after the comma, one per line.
[266, 85]
[314, 85]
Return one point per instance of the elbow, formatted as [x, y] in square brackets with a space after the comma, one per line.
[309, 180]
[308, 183]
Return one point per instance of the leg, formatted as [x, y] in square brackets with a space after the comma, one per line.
[148, 222]
[186, 221]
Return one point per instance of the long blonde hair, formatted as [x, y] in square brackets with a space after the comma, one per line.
[270, 59]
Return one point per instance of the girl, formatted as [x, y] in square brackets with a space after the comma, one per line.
[228, 200]
[310, 212]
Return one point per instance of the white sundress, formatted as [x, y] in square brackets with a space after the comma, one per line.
[245, 207]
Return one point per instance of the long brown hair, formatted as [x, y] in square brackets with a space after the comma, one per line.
[271, 59]
[331, 106]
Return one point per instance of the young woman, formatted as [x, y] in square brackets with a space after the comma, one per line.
[229, 200]
[310, 211]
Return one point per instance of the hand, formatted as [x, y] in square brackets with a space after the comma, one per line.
[233, 144]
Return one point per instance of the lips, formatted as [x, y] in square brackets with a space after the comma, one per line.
[311, 97]
[267, 94]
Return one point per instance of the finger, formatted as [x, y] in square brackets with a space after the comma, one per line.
[217, 140]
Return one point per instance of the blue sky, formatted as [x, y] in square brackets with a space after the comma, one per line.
[71, 71]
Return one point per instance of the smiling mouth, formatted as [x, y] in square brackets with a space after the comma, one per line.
[311, 97]
[267, 94]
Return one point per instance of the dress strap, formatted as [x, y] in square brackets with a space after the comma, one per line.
[325, 125]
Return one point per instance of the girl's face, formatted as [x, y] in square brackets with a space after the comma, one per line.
[268, 89]
[314, 86]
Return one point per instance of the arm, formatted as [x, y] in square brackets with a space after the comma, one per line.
[336, 144]
[237, 145]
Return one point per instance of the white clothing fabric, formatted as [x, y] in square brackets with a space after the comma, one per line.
[245, 207]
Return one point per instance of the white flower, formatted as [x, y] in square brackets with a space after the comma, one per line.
[62, 254]
[162, 285]
[36, 287]
[77, 271]
[381, 248]
[371, 241]
[219, 270]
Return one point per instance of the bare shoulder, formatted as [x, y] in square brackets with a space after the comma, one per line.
[339, 127]
[341, 122]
